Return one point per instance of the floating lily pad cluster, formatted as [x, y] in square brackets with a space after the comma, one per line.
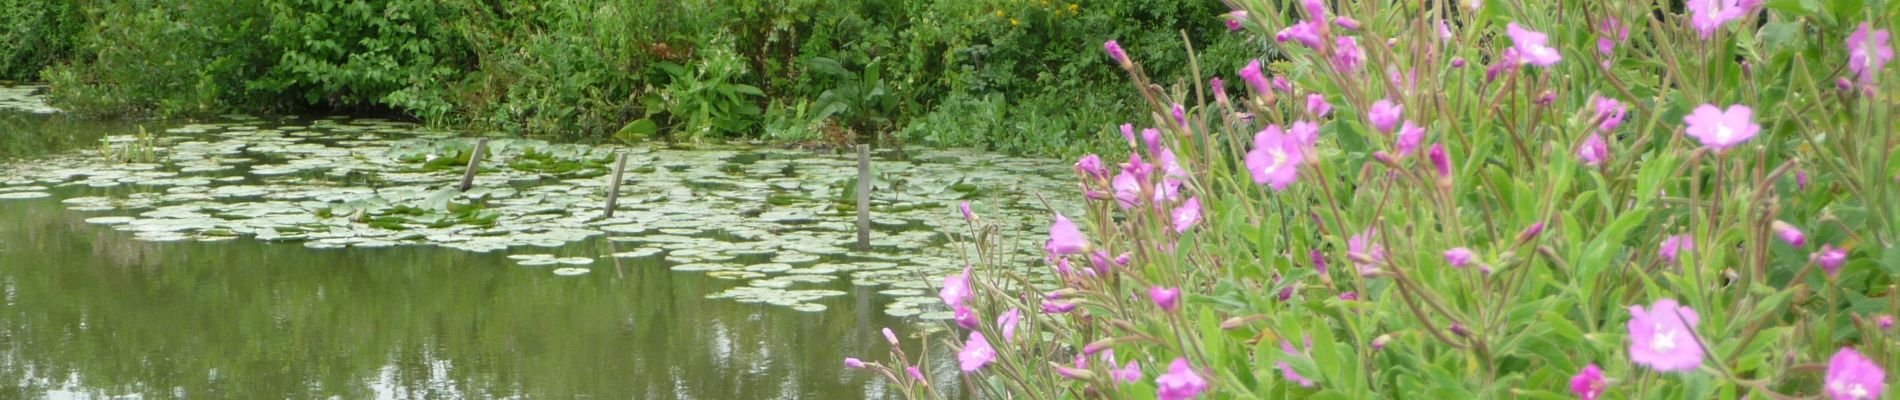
[770, 218]
[25, 99]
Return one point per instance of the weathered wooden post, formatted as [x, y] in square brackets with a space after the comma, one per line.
[864, 197]
[474, 162]
[613, 187]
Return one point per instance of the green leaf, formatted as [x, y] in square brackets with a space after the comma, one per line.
[637, 131]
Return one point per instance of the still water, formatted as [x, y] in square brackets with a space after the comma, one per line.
[93, 311]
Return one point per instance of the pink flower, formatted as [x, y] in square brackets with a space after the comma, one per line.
[1187, 214]
[1286, 370]
[1409, 136]
[1441, 163]
[1168, 299]
[1305, 32]
[1254, 78]
[1347, 22]
[1663, 337]
[1507, 62]
[916, 373]
[1365, 251]
[1708, 15]
[1115, 52]
[1458, 257]
[970, 216]
[1128, 132]
[1830, 259]
[890, 337]
[1090, 166]
[1275, 158]
[1610, 33]
[1319, 261]
[1317, 105]
[1347, 56]
[853, 363]
[1280, 84]
[1152, 137]
[966, 318]
[1130, 373]
[1609, 113]
[1180, 382]
[1720, 129]
[1444, 31]
[976, 353]
[1851, 376]
[1788, 233]
[1008, 322]
[1885, 322]
[1127, 189]
[1305, 135]
[1057, 307]
[1180, 115]
[1594, 150]
[1673, 246]
[1868, 51]
[956, 289]
[1065, 238]
[1588, 383]
[1235, 19]
[1385, 115]
[1533, 46]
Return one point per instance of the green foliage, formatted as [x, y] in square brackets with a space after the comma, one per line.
[37, 34]
[341, 55]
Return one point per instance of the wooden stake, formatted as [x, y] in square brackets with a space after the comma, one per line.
[613, 187]
[474, 161]
[864, 197]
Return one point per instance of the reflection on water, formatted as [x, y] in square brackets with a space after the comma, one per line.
[90, 313]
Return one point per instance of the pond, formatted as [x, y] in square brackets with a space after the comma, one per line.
[336, 258]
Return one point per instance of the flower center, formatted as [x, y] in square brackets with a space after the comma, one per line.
[1722, 133]
[1279, 159]
[1664, 340]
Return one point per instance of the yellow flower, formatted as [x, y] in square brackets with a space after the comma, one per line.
[999, 13]
[1014, 22]
[1073, 7]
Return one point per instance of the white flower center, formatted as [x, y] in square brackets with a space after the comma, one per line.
[1663, 340]
[1853, 390]
[1279, 159]
[1722, 133]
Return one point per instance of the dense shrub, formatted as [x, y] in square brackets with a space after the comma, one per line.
[691, 69]
[38, 33]
[1457, 200]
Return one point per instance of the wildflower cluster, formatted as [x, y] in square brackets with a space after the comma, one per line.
[1617, 201]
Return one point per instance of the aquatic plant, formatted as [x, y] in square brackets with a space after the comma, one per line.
[1612, 200]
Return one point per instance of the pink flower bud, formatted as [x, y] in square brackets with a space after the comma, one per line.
[853, 363]
[1458, 257]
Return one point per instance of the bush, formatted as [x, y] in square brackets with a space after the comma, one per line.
[39, 33]
[1522, 202]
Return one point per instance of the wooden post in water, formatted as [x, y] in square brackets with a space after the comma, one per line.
[474, 162]
[864, 197]
[613, 187]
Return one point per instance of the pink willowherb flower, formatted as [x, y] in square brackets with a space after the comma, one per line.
[1789, 233]
[1609, 113]
[1280, 84]
[970, 216]
[1830, 259]
[1275, 158]
[1180, 382]
[1384, 115]
[1868, 52]
[1885, 322]
[966, 318]
[1057, 307]
[1708, 15]
[1663, 337]
[890, 336]
[1507, 62]
[1458, 257]
[1180, 115]
[1441, 163]
[1610, 33]
[1365, 251]
[853, 363]
[1348, 58]
[1347, 22]
[916, 373]
[1533, 46]
[956, 289]
[1115, 52]
[1588, 383]
[1255, 79]
[1317, 105]
[1673, 246]
[1127, 189]
[1594, 150]
[1128, 132]
[1065, 238]
[1720, 129]
[1008, 322]
[1187, 214]
[1089, 166]
[1305, 32]
[1851, 376]
[1168, 299]
[1235, 19]
[1409, 137]
[976, 353]
[1286, 370]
